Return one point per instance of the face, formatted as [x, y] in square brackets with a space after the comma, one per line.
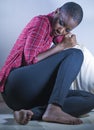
[62, 24]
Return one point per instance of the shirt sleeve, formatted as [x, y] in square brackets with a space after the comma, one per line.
[35, 40]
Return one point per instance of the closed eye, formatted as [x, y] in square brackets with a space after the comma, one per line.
[61, 23]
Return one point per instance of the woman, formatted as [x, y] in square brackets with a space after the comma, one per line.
[36, 77]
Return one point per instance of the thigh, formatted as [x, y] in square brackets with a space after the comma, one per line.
[27, 84]
[78, 102]
[39, 74]
[25, 88]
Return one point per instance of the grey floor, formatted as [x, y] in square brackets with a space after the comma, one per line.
[7, 122]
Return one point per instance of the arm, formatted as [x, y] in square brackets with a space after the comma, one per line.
[37, 39]
[68, 42]
[50, 52]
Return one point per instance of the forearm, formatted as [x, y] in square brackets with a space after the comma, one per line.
[68, 42]
[49, 52]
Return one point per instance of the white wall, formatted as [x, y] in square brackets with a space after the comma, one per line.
[15, 14]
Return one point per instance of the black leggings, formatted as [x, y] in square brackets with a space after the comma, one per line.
[48, 82]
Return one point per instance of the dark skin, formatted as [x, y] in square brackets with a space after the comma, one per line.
[62, 25]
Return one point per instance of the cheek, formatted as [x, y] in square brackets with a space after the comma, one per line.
[55, 24]
[56, 27]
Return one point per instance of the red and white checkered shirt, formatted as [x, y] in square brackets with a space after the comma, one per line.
[34, 39]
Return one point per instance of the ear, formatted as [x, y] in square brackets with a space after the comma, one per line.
[57, 11]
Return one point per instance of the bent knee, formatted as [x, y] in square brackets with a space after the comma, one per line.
[78, 54]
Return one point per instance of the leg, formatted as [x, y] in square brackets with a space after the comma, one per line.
[20, 90]
[67, 72]
[78, 103]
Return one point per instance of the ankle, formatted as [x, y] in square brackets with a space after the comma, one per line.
[53, 107]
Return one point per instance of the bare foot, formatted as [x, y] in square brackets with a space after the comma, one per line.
[23, 116]
[55, 114]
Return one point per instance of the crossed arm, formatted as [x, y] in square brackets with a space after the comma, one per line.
[68, 42]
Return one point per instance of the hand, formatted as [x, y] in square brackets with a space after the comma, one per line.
[68, 41]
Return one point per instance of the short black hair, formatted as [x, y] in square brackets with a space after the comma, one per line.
[74, 10]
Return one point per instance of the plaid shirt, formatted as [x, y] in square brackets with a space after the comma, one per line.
[34, 39]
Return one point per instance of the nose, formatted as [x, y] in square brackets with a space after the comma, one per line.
[62, 31]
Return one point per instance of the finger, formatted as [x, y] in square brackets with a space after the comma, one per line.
[29, 115]
[24, 118]
[73, 36]
[69, 35]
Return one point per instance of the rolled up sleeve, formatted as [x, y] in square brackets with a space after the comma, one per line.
[35, 40]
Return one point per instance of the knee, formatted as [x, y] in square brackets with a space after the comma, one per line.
[75, 55]
[78, 52]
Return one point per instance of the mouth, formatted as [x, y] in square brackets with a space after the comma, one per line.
[56, 33]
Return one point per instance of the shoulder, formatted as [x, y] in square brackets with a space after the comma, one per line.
[40, 19]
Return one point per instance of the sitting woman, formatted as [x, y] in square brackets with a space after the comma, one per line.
[35, 80]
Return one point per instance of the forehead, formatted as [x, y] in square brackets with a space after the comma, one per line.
[68, 20]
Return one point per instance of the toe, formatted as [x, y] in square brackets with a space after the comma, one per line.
[29, 115]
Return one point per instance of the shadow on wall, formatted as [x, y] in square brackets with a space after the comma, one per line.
[1, 99]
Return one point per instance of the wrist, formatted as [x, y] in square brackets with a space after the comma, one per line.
[59, 47]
